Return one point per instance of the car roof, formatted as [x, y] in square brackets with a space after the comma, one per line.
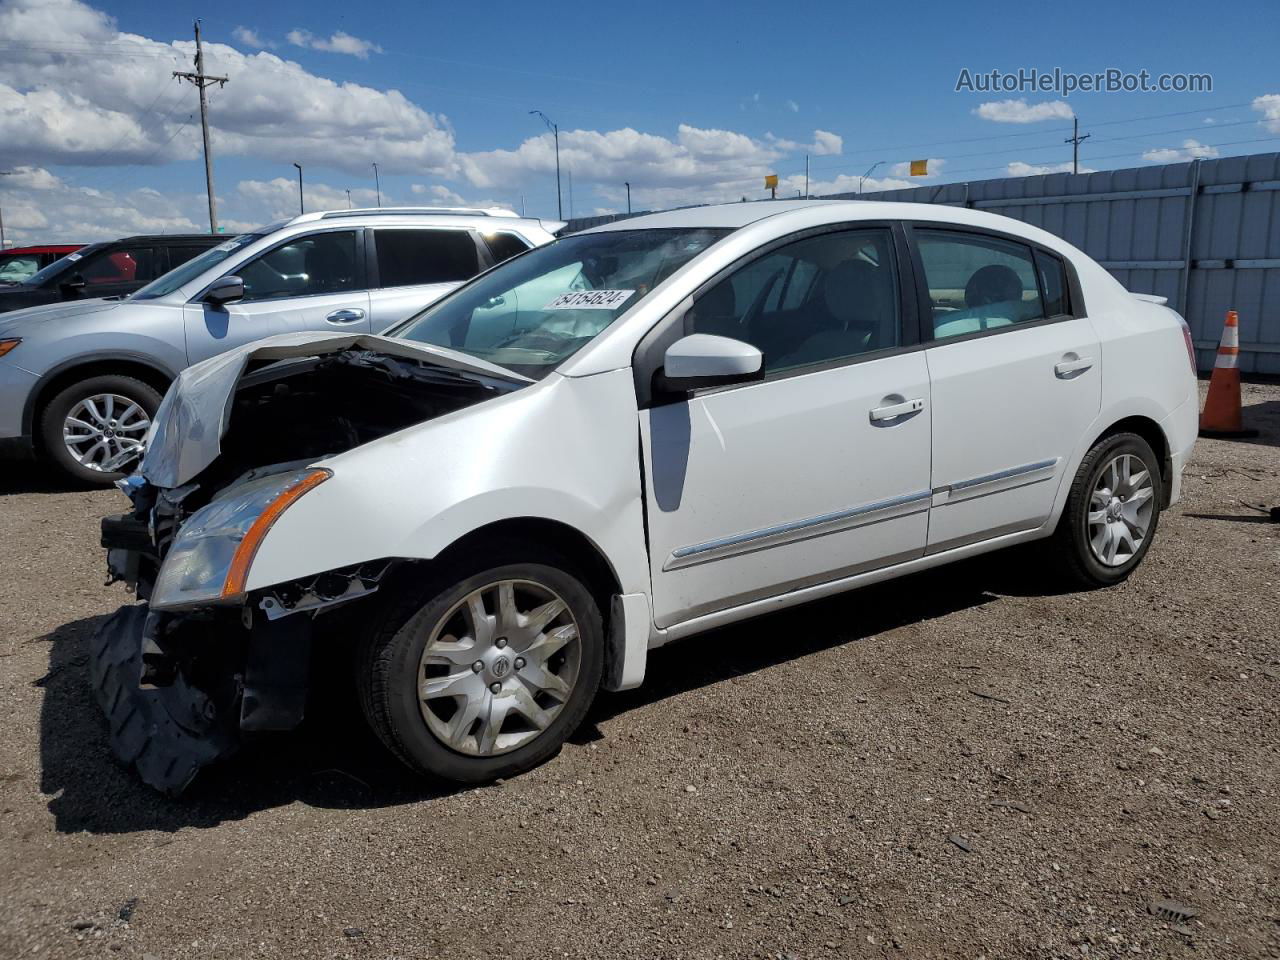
[43, 248]
[209, 238]
[486, 219]
[737, 215]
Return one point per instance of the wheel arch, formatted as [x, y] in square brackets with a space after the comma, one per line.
[1150, 431]
[94, 365]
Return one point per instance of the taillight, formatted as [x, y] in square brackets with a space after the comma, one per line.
[1191, 347]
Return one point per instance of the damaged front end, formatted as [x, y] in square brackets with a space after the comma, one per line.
[200, 660]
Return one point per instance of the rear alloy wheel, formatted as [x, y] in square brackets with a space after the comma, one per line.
[1112, 511]
[489, 677]
[94, 430]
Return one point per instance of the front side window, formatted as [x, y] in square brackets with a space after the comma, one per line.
[977, 283]
[817, 300]
[532, 313]
[311, 265]
[409, 257]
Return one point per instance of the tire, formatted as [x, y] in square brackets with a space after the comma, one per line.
[392, 661]
[1075, 542]
[55, 414]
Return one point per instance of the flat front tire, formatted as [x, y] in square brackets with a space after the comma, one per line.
[1112, 511]
[484, 676]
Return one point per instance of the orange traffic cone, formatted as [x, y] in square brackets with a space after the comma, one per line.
[1222, 416]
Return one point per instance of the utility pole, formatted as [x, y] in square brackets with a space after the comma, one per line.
[201, 80]
[555, 132]
[628, 185]
[348, 199]
[1075, 140]
[4, 173]
[377, 185]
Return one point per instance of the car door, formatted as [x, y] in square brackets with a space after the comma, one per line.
[115, 272]
[417, 266]
[314, 281]
[1015, 379]
[819, 470]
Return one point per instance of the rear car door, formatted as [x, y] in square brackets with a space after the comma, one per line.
[1015, 379]
[314, 281]
[818, 471]
[416, 266]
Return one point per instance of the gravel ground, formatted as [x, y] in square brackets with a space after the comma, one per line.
[958, 764]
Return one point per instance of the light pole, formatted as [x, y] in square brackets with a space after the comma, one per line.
[301, 207]
[628, 198]
[348, 199]
[4, 173]
[555, 132]
[870, 170]
[376, 184]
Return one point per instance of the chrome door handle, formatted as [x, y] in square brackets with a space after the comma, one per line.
[895, 410]
[345, 316]
[1065, 368]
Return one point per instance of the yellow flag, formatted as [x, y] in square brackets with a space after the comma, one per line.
[919, 168]
[770, 181]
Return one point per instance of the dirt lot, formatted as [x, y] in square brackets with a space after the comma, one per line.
[954, 765]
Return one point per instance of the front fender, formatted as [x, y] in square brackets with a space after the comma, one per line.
[565, 450]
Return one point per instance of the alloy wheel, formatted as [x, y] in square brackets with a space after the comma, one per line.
[498, 668]
[104, 432]
[1120, 510]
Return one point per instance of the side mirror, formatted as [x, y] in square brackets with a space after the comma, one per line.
[706, 360]
[225, 290]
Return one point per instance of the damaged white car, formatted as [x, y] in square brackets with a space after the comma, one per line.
[625, 437]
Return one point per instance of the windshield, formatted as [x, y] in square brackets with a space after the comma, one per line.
[180, 276]
[55, 268]
[533, 312]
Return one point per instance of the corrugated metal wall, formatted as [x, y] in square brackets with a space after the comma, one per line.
[1147, 225]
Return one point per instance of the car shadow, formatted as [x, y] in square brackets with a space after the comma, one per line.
[333, 761]
[27, 476]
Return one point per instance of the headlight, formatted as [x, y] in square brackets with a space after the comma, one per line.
[209, 560]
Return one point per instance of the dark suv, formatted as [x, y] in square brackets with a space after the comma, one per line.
[113, 269]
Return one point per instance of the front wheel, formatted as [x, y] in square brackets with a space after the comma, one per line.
[486, 678]
[94, 430]
[1112, 511]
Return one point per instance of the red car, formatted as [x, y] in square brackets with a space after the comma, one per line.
[19, 263]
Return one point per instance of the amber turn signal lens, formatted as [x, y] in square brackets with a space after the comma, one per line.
[238, 573]
[7, 345]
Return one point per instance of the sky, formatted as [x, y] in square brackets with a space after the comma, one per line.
[688, 102]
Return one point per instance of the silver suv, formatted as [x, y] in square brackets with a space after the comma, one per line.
[80, 382]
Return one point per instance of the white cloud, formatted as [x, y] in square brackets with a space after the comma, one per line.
[1269, 106]
[104, 110]
[438, 193]
[46, 209]
[793, 106]
[277, 199]
[250, 38]
[1019, 111]
[31, 178]
[825, 144]
[1020, 169]
[1190, 150]
[339, 42]
[903, 169]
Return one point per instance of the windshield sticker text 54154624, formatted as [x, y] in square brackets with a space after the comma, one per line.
[590, 300]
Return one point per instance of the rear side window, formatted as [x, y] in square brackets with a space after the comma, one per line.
[504, 246]
[977, 283]
[408, 257]
[1053, 278]
[130, 265]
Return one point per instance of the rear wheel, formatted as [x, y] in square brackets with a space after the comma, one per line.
[488, 675]
[1112, 511]
[93, 430]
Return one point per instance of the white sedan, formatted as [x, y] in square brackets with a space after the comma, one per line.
[624, 438]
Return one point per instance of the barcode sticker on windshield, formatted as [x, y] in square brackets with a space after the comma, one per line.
[590, 300]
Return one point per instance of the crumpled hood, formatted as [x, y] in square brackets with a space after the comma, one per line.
[186, 434]
[11, 321]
